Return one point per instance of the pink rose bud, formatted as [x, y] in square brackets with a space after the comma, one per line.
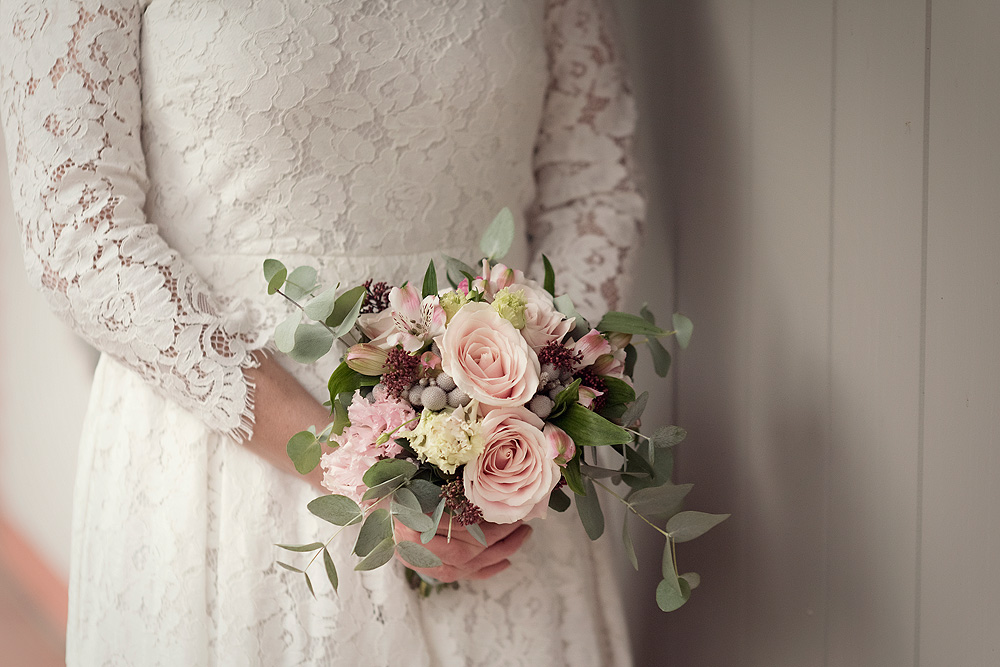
[430, 363]
[619, 340]
[463, 286]
[561, 445]
[610, 364]
[366, 359]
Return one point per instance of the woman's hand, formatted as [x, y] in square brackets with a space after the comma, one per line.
[464, 557]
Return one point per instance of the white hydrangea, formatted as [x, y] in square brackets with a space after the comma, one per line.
[448, 438]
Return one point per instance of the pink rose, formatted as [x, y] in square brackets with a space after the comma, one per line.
[488, 358]
[542, 322]
[514, 475]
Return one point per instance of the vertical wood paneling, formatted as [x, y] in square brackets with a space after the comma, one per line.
[875, 333]
[960, 592]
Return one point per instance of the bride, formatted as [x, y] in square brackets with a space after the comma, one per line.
[160, 150]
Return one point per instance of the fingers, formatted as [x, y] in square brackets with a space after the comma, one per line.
[500, 551]
[493, 532]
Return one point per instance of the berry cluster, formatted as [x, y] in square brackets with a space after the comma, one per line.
[402, 371]
[376, 296]
[461, 507]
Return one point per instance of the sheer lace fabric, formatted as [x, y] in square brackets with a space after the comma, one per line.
[159, 152]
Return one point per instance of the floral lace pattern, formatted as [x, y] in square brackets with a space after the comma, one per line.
[159, 151]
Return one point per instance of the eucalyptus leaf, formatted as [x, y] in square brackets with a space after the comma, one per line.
[588, 428]
[685, 526]
[626, 323]
[378, 556]
[646, 314]
[300, 282]
[338, 510]
[661, 470]
[589, 508]
[386, 469]
[634, 462]
[331, 569]
[416, 521]
[304, 450]
[275, 274]
[383, 489]
[428, 494]
[684, 327]
[456, 270]
[429, 534]
[629, 546]
[559, 501]
[312, 341]
[309, 584]
[499, 236]
[659, 503]
[430, 287]
[477, 533]
[284, 333]
[321, 305]
[661, 358]
[635, 410]
[417, 555]
[693, 579]
[631, 356]
[668, 436]
[669, 598]
[289, 567]
[549, 283]
[346, 311]
[565, 306]
[301, 548]
[376, 528]
[404, 498]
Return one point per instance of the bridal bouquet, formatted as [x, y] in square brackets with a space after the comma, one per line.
[483, 401]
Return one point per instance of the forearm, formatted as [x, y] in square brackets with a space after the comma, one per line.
[282, 408]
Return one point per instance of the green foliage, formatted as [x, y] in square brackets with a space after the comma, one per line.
[346, 380]
[629, 546]
[406, 508]
[301, 548]
[661, 358]
[684, 327]
[387, 469]
[429, 534]
[457, 270]
[686, 526]
[300, 282]
[275, 274]
[417, 555]
[341, 420]
[659, 503]
[565, 398]
[384, 489]
[565, 306]
[321, 306]
[477, 533]
[284, 333]
[376, 528]
[312, 341]
[589, 508]
[630, 358]
[304, 450]
[668, 436]
[588, 428]
[559, 501]
[571, 473]
[379, 556]
[619, 391]
[346, 310]
[670, 597]
[549, 284]
[331, 569]
[499, 236]
[338, 510]
[628, 323]
[427, 494]
[430, 287]
[289, 567]
[635, 409]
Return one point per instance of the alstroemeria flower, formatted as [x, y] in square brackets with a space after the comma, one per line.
[587, 396]
[409, 321]
[591, 346]
[561, 446]
[366, 359]
[496, 278]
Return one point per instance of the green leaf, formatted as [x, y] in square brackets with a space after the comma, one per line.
[320, 306]
[619, 391]
[404, 498]
[635, 462]
[589, 508]
[477, 533]
[684, 327]
[417, 555]
[635, 410]
[312, 341]
[429, 534]
[274, 273]
[456, 270]
[559, 501]
[499, 235]
[668, 436]
[669, 598]
[406, 508]
[346, 311]
[304, 450]
[693, 579]
[376, 528]
[662, 469]
[427, 493]
[309, 584]
[331, 569]
[301, 548]
[588, 428]
[338, 510]
[659, 503]
[686, 526]
[549, 283]
[631, 356]
[300, 282]
[384, 489]
[629, 547]
[565, 398]
[344, 379]
[627, 323]
[661, 358]
[378, 556]
[594, 472]
[341, 420]
[667, 567]
[386, 469]
[284, 333]
[565, 306]
[571, 473]
[646, 314]
[430, 281]
[289, 567]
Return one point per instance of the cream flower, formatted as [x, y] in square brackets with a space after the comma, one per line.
[447, 439]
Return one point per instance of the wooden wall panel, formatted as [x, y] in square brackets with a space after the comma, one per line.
[960, 591]
[872, 499]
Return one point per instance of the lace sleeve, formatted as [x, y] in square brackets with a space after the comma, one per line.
[587, 217]
[70, 94]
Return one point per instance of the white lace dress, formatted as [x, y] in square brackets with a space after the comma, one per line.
[160, 150]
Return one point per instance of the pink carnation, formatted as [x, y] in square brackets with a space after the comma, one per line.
[344, 467]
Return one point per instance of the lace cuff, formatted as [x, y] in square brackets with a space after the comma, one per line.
[587, 217]
[70, 95]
